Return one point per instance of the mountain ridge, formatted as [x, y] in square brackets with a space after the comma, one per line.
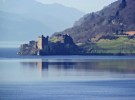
[45, 15]
[115, 18]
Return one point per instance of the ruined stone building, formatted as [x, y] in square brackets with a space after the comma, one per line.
[67, 39]
[42, 42]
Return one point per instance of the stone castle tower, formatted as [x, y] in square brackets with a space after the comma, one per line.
[42, 41]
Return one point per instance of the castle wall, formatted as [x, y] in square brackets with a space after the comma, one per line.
[40, 43]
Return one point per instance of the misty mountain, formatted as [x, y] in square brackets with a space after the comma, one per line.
[26, 19]
[115, 18]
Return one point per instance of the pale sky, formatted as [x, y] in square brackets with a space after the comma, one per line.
[86, 6]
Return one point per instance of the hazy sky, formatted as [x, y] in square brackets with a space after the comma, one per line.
[83, 5]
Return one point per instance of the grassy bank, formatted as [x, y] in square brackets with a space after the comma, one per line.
[121, 45]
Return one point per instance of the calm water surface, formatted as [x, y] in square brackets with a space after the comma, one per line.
[67, 77]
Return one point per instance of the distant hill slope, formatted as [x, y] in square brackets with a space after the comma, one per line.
[115, 18]
[26, 19]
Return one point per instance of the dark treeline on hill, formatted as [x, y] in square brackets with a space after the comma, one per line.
[116, 18]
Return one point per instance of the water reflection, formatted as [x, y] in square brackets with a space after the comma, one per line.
[33, 77]
[117, 66]
[68, 69]
[42, 65]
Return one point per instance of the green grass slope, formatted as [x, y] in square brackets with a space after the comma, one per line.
[121, 45]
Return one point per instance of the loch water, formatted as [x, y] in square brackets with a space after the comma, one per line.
[66, 77]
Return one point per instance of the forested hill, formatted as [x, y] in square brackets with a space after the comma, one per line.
[115, 18]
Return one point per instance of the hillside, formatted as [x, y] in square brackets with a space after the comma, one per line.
[29, 18]
[116, 18]
[14, 27]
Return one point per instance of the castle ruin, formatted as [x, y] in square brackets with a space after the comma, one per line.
[42, 42]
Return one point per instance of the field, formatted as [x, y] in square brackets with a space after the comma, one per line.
[121, 45]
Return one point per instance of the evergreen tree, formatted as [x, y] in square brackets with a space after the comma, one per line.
[123, 4]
